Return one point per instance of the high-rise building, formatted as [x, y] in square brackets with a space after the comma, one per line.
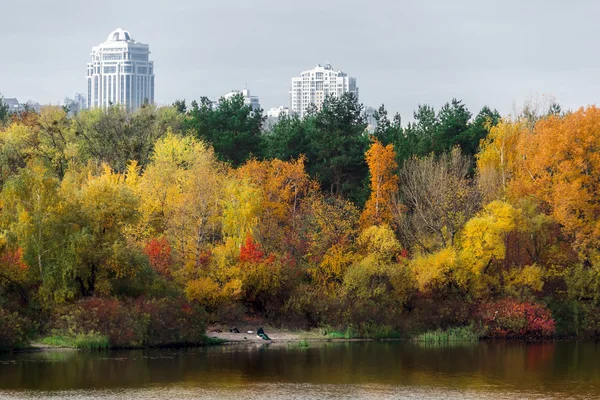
[370, 118]
[315, 85]
[120, 73]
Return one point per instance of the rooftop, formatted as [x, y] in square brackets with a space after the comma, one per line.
[119, 35]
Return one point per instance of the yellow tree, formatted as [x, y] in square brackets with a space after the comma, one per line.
[104, 205]
[384, 185]
[377, 278]
[181, 192]
[284, 186]
[242, 204]
[466, 264]
[498, 157]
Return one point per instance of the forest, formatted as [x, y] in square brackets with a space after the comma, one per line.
[140, 228]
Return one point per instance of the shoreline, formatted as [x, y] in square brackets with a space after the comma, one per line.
[278, 338]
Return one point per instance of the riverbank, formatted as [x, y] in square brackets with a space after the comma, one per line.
[248, 334]
[243, 333]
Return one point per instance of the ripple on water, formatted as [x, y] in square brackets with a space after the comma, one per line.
[276, 391]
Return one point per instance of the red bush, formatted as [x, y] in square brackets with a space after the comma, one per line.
[251, 251]
[159, 255]
[510, 318]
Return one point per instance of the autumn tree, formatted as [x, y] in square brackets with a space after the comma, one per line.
[36, 219]
[384, 185]
[284, 187]
[559, 166]
[439, 198]
[104, 204]
[181, 197]
[117, 136]
[378, 279]
[498, 158]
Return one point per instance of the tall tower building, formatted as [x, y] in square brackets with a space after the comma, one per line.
[313, 86]
[120, 73]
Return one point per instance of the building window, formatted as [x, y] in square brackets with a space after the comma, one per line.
[128, 90]
[110, 70]
[89, 96]
[112, 57]
[139, 57]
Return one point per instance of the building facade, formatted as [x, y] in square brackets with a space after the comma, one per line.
[315, 85]
[13, 105]
[370, 118]
[249, 100]
[120, 73]
[276, 112]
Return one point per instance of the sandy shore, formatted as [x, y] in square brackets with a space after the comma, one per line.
[276, 335]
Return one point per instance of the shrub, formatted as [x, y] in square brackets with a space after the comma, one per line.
[457, 334]
[171, 321]
[133, 323]
[13, 330]
[88, 341]
[508, 319]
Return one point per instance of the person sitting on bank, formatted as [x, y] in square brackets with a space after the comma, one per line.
[261, 334]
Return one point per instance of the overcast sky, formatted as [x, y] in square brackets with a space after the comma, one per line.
[402, 53]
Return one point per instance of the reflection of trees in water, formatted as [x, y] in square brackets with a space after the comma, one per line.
[447, 344]
[500, 365]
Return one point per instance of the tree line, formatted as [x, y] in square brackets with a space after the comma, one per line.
[309, 222]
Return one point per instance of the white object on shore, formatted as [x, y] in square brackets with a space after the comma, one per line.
[250, 332]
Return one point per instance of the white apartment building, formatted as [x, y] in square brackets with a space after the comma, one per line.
[315, 85]
[276, 112]
[120, 72]
[248, 99]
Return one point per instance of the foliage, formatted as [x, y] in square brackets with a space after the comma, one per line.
[116, 136]
[439, 198]
[509, 318]
[109, 218]
[132, 323]
[14, 330]
[384, 185]
[4, 111]
[231, 127]
[559, 168]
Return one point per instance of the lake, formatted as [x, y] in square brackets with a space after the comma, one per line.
[362, 370]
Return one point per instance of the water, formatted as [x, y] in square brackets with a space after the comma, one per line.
[365, 370]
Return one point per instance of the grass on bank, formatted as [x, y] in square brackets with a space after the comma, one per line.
[457, 334]
[88, 341]
[379, 332]
[97, 341]
[301, 344]
[211, 341]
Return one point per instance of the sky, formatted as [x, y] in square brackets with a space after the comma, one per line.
[403, 53]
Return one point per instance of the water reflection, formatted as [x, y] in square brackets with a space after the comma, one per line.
[326, 370]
